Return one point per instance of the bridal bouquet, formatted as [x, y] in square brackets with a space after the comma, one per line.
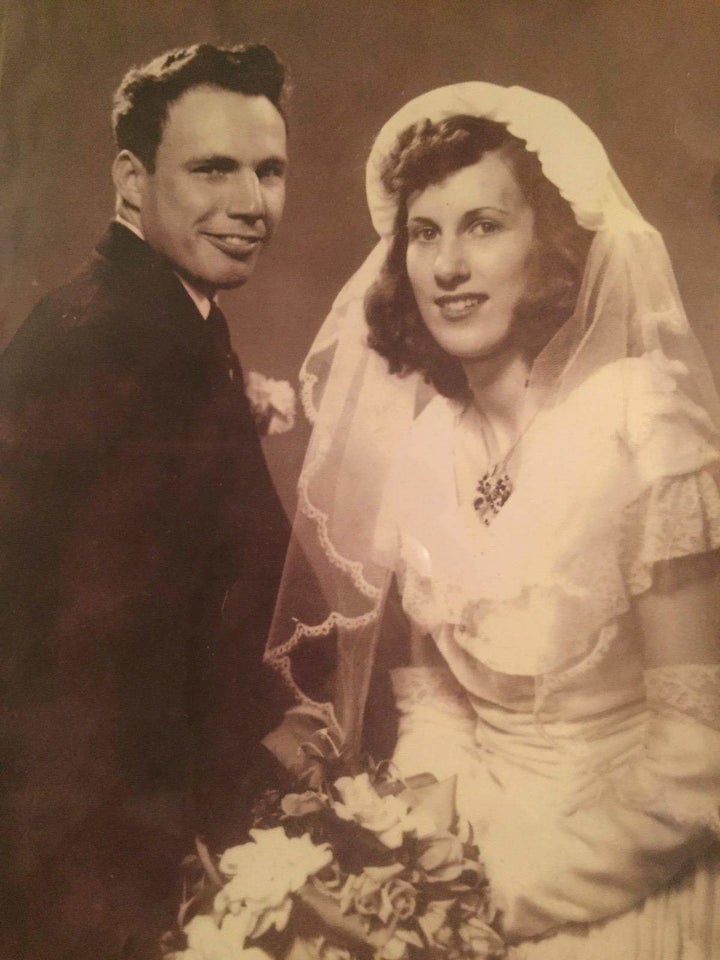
[366, 867]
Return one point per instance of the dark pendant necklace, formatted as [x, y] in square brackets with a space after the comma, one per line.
[493, 490]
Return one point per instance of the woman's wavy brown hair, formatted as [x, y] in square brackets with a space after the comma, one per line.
[424, 154]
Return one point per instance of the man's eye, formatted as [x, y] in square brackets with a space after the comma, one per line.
[212, 172]
[273, 168]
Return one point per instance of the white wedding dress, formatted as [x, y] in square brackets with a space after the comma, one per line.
[591, 784]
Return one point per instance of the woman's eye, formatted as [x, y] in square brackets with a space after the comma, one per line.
[423, 234]
[485, 227]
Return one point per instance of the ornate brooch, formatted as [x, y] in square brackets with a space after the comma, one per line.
[493, 490]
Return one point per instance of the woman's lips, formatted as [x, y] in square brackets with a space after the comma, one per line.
[459, 306]
[237, 245]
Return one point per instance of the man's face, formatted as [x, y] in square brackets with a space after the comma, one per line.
[218, 189]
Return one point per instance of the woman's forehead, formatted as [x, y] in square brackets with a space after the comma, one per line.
[489, 182]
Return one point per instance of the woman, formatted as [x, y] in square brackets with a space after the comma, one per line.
[548, 509]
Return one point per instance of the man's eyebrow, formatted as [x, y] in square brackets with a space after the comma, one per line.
[217, 161]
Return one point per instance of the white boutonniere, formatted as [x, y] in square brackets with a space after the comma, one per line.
[272, 402]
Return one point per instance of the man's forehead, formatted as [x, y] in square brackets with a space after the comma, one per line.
[212, 121]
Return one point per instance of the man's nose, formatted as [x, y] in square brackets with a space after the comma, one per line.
[246, 199]
[451, 267]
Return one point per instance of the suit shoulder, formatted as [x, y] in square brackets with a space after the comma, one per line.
[71, 327]
[79, 303]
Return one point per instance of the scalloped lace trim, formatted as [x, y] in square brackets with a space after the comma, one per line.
[352, 568]
[692, 689]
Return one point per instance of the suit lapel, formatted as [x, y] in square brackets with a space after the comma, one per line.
[152, 291]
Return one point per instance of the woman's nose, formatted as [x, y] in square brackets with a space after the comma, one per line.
[451, 267]
[246, 198]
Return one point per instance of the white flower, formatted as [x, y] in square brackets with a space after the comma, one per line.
[388, 817]
[263, 876]
[207, 941]
[273, 403]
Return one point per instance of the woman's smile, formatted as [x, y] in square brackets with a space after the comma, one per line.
[454, 307]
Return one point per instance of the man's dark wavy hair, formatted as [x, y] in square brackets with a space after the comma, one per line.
[424, 154]
[141, 102]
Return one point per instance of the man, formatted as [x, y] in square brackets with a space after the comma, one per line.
[142, 539]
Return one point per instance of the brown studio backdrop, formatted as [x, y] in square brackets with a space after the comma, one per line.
[645, 74]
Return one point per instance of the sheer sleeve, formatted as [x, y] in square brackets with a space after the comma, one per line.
[671, 529]
[672, 534]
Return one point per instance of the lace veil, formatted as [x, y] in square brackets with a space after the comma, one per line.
[341, 557]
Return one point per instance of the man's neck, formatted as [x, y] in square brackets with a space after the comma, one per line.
[201, 300]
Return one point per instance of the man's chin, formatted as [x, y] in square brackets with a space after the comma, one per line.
[233, 284]
[210, 283]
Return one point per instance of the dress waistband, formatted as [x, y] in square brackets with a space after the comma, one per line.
[559, 749]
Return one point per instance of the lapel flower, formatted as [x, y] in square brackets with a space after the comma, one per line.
[272, 403]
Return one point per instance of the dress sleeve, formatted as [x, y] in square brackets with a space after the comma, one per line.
[672, 534]
[437, 725]
[607, 856]
[671, 529]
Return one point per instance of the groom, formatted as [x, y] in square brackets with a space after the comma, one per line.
[141, 536]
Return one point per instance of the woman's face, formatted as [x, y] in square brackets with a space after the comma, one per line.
[470, 240]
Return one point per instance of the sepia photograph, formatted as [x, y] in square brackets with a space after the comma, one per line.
[359, 466]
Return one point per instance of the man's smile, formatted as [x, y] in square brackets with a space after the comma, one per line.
[235, 244]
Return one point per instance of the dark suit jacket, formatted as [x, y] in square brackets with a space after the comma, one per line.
[141, 545]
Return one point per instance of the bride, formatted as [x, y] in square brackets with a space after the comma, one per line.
[513, 470]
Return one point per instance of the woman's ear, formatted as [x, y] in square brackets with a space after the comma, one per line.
[129, 176]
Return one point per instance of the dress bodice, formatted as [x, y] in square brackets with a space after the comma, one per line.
[533, 614]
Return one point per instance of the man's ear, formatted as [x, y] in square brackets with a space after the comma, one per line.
[129, 176]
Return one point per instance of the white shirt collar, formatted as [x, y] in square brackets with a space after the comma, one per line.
[199, 299]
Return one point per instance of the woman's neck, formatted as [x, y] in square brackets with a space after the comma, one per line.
[499, 393]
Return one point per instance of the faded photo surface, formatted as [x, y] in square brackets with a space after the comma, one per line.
[359, 481]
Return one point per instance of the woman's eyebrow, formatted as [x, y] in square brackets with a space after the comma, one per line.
[484, 211]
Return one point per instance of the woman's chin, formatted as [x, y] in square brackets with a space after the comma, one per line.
[471, 355]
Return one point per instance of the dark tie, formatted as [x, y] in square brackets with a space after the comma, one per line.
[221, 341]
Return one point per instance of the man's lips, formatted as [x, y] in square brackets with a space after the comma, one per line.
[238, 245]
[457, 306]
